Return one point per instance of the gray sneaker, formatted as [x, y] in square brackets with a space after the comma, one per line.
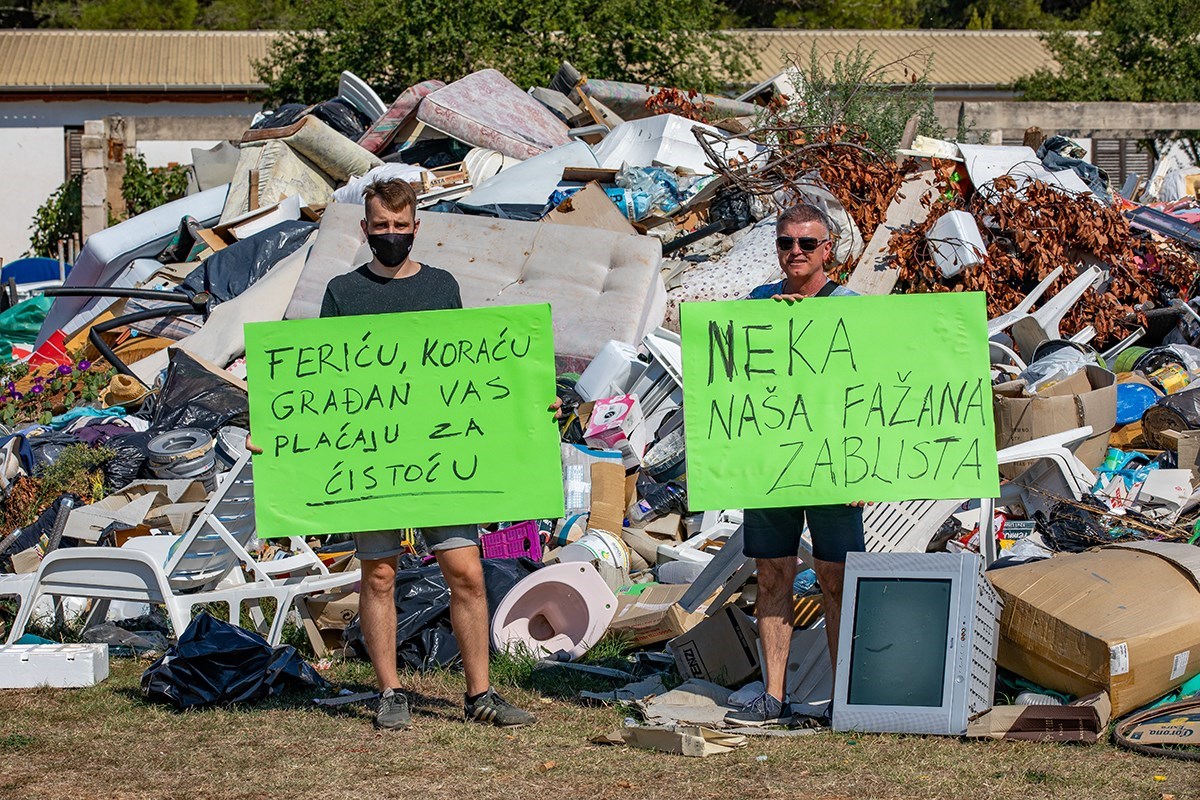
[762, 710]
[392, 712]
[494, 709]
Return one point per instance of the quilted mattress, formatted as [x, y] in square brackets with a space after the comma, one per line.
[486, 109]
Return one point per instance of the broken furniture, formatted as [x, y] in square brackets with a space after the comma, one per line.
[179, 572]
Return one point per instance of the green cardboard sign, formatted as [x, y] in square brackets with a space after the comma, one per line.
[403, 420]
[838, 399]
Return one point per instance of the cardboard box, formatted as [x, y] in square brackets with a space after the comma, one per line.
[722, 649]
[1121, 619]
[617, 423]
[590, 207]
[654, 615]
[1088, 397]
[608, 498]
[1082, 721]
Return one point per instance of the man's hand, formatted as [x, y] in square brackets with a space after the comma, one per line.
[787, 298]
[250, 446]
[861, 503]
[556, 408]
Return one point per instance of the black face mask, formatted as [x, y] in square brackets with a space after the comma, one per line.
[390, 248]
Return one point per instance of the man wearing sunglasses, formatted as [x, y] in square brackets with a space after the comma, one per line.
[804, 247]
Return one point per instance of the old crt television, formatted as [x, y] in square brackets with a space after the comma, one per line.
[917, 646]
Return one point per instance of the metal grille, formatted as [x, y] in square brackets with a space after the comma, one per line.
[74, 150]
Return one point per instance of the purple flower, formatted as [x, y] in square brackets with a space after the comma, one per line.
[37, 389]
[83, 366]
[17, 396]
[39, 380]
[65, 370]
[12, 388]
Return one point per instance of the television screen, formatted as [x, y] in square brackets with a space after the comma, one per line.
[898, 651]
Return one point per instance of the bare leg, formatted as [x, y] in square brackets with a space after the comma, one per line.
[775, 613]
[463, 571]
[831, 575]
[377, 615]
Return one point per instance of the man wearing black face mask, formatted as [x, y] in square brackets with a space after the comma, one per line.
[393, 282]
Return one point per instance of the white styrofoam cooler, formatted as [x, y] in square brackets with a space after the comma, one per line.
[67, 666]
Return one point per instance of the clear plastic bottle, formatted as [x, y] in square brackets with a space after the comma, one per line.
[657, 499]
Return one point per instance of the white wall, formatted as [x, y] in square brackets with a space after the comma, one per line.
[165, 154]
[33, 164]
[33, 157]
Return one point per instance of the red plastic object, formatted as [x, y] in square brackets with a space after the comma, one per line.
[52, 351]
[518, 541]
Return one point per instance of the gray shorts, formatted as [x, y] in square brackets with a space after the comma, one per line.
[377, 545]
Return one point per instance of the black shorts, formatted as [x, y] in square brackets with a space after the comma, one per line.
[775, 532]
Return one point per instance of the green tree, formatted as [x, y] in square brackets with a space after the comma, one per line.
[1138, 50]
[60, 217]
[393, 45]
[144, 188]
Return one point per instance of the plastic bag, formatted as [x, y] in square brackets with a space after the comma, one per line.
[193, 396]
[130, 457]
[424, 639]
[229, 272]
[216, 663]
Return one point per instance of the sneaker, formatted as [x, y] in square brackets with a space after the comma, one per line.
[392, 712]
[494, 709]
[762, 710]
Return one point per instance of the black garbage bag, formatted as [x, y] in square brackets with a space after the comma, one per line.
[424, 639]
[126, 466]
[215, 663]
[283, 116]
[229, 272]
[193, 396]
[342, 117]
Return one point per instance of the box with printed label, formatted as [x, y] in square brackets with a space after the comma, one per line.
[1121, 619]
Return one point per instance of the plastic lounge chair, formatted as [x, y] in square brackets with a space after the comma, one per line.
[1032, 329]
[202, 566]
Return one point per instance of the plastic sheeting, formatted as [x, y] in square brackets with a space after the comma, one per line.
[194, 396]
[229, 272]
[20, 324]
[424, 639]
[215, 663]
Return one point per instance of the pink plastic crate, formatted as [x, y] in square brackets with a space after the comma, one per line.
[518, 541]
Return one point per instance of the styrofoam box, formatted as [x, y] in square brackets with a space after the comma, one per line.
[67, 666]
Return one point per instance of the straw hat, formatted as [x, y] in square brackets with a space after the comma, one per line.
[124, 390]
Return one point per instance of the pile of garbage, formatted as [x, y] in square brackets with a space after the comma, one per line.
[581, 196]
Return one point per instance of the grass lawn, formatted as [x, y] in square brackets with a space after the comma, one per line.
[106, 742]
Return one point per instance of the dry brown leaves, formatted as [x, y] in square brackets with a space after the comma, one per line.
[1033, 229]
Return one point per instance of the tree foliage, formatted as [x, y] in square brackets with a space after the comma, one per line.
[60, 217]
[393, 45]
[163, 14]
[853, 90]
[1138, 51]
[144, 188]
[852, 14]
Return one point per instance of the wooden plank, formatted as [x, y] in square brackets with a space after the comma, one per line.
[873, 274]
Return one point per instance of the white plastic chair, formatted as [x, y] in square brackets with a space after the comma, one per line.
[202, 566]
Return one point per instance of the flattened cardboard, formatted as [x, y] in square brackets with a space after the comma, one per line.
[654, 615]
[1082, 721]
[608, 498]
[1119, 619]
[1088, 397]
[591, 208]
[722, 649]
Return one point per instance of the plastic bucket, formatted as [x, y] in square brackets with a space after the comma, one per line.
[1127, 358]
[481, 164]
[597, 546]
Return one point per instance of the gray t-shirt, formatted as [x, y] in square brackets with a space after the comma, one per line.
[363, 292]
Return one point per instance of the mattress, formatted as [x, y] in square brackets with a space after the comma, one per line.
[486, 109]
[107, 254]
[332, 153]
[282, 173]
[629, 100]
[600, 285]
[384, 129]
[334, 251]
[750, 263]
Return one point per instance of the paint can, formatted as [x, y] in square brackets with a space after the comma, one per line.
[597, 545]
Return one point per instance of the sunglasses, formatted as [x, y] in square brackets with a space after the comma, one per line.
[807, 243]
